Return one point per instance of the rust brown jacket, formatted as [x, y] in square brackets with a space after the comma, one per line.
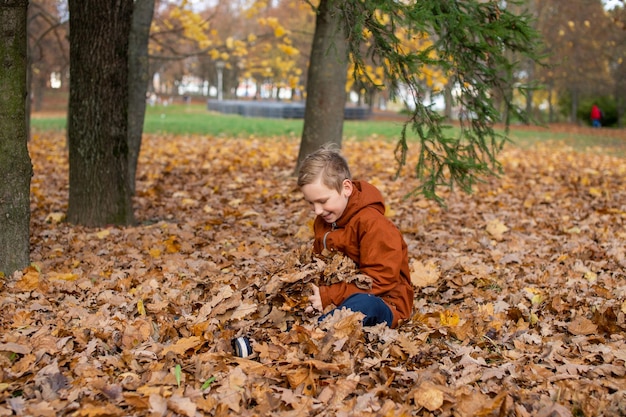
[375, 244]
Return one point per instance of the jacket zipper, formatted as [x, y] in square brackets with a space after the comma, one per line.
[333, 227]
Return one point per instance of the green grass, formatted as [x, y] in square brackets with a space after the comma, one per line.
[196, 119]
[182, 119]
[53, 123]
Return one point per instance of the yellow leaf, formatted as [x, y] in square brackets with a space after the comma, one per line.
[172, 245]
[155, 253]
[141, 308]
[64, 277]
[55, 218]
[103, 233]
[596, 192]
[448, 318]
[591, 276]
[537, 299]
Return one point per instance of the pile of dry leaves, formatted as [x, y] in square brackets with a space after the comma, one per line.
[519, 310]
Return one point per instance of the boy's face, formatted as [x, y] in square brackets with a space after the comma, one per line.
[327, 202]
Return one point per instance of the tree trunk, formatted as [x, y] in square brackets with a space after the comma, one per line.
[97, 129]
[15, 166]
[138, 79]
[326, 85]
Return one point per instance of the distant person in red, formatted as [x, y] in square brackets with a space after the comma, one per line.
[596, 116]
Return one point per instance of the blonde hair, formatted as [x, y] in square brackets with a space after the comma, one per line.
[327, 164]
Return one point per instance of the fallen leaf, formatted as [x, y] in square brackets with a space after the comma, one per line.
[496, 229]
[582, 326]
[424, 275]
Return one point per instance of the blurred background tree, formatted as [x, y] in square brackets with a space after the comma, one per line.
[188, 38]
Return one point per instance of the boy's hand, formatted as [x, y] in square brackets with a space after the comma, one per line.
[315, 299]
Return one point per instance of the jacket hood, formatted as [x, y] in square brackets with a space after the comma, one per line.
[363, 195]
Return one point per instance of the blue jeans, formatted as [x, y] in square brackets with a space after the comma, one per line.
[374, 308]
[596, 123]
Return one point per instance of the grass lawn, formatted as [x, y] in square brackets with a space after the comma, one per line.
[180, 119]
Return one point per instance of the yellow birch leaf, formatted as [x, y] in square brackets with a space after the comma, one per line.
[103, 233]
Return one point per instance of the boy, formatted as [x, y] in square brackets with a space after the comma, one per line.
[350, 219]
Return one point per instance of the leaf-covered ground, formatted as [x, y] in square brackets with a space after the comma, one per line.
[519, 310]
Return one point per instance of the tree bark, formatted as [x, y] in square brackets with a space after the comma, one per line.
[326, 85]
[138, 79]
[15, 165]
[100, 192]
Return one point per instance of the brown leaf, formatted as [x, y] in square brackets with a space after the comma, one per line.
[582, 326]
[428, 396]
[182, 345]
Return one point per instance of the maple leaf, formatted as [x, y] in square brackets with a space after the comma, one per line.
[424, 275]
